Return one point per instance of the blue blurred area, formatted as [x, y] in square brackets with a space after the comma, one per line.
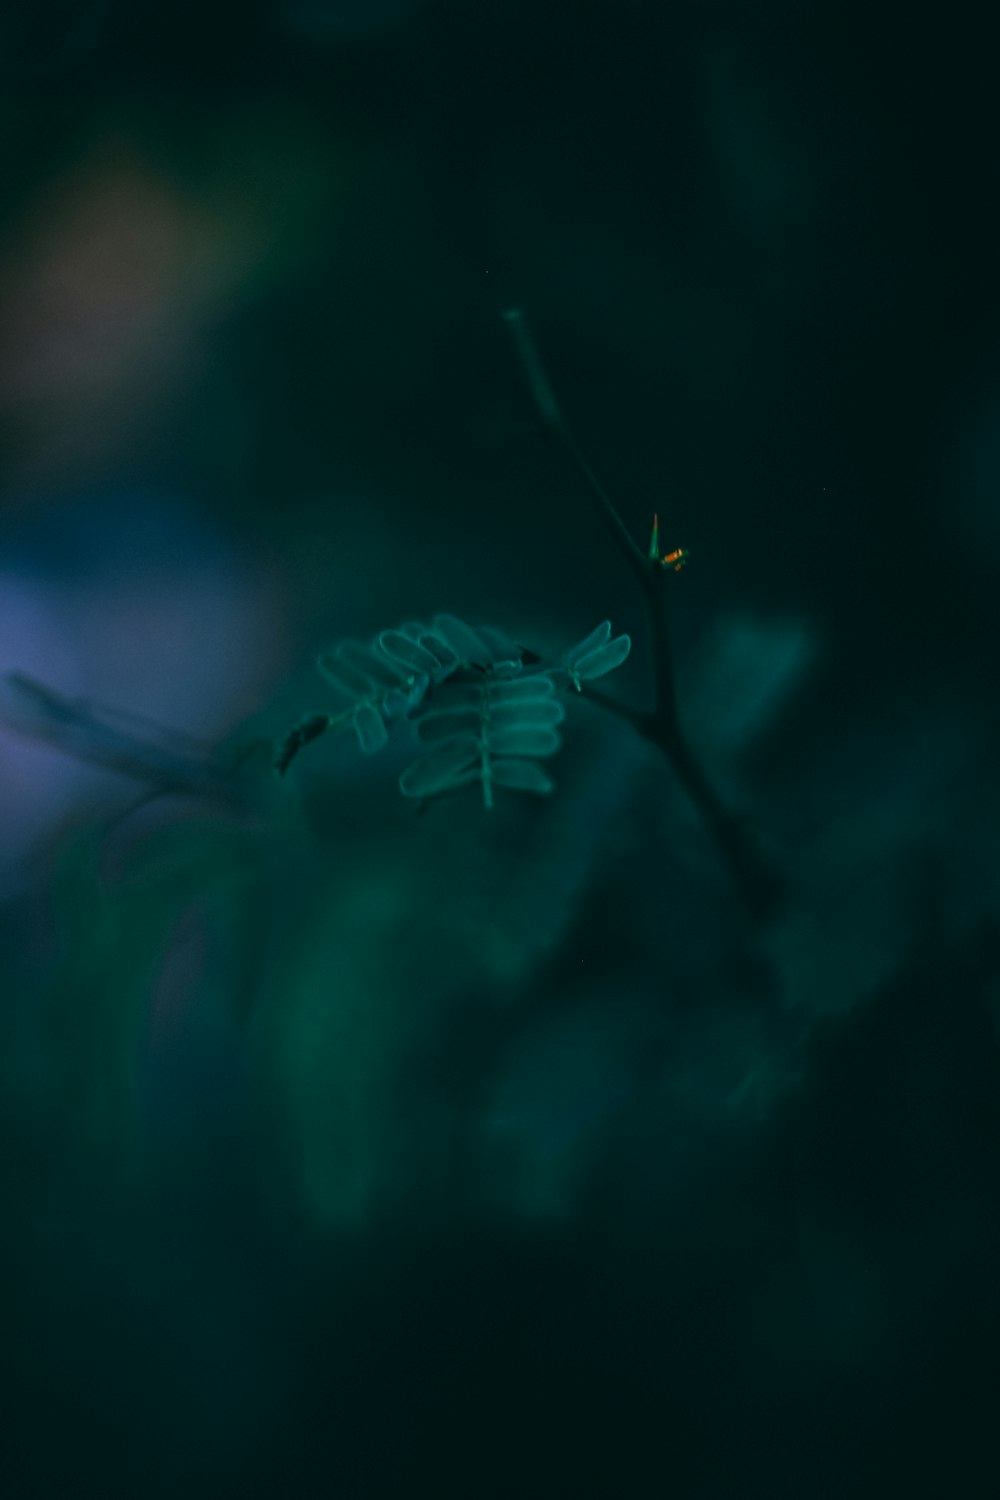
[124, 598]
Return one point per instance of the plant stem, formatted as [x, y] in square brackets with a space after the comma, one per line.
[548, 410]
[758, 884]
[633, 716]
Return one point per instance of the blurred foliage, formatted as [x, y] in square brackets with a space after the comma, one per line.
[358, 1150]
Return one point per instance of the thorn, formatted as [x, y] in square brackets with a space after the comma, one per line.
[654, 540]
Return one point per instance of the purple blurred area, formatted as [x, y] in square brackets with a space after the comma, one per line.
[118, 583]
[108, 286]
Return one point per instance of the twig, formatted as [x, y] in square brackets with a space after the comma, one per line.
[633, 716]
[758, 883]
[548, 410]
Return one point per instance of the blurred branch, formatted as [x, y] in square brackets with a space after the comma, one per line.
[169, 762]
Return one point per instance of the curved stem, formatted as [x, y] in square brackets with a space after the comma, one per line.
[759, 885]
[549, 413]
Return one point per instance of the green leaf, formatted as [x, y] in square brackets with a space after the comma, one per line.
[528, 711]
[400, 702]
[409, 654]
[442, 770]
[590, 643]
[522, 775]
[345, 677]
[501, 646]
[369, 659]
[370, 726]
[466, 643]
[604, 659]
[523, 690]
[438, 648]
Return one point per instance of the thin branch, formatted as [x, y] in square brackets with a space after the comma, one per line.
[549, 413]
[759, 884]
[654, 602]
[634, 716]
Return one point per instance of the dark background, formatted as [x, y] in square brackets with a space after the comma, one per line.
[357, 1153]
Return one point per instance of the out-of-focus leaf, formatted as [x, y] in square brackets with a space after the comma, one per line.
[436, 772]
[749, 670]
[523, 739]
[528, 711]
[371, 730]
[596, 663]
[438, 648]
[522, 775]
[345, 677]
[399, 702]
[502, 647]
[467, 644]
[369, 658]
[597, 638]
[410, 654]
